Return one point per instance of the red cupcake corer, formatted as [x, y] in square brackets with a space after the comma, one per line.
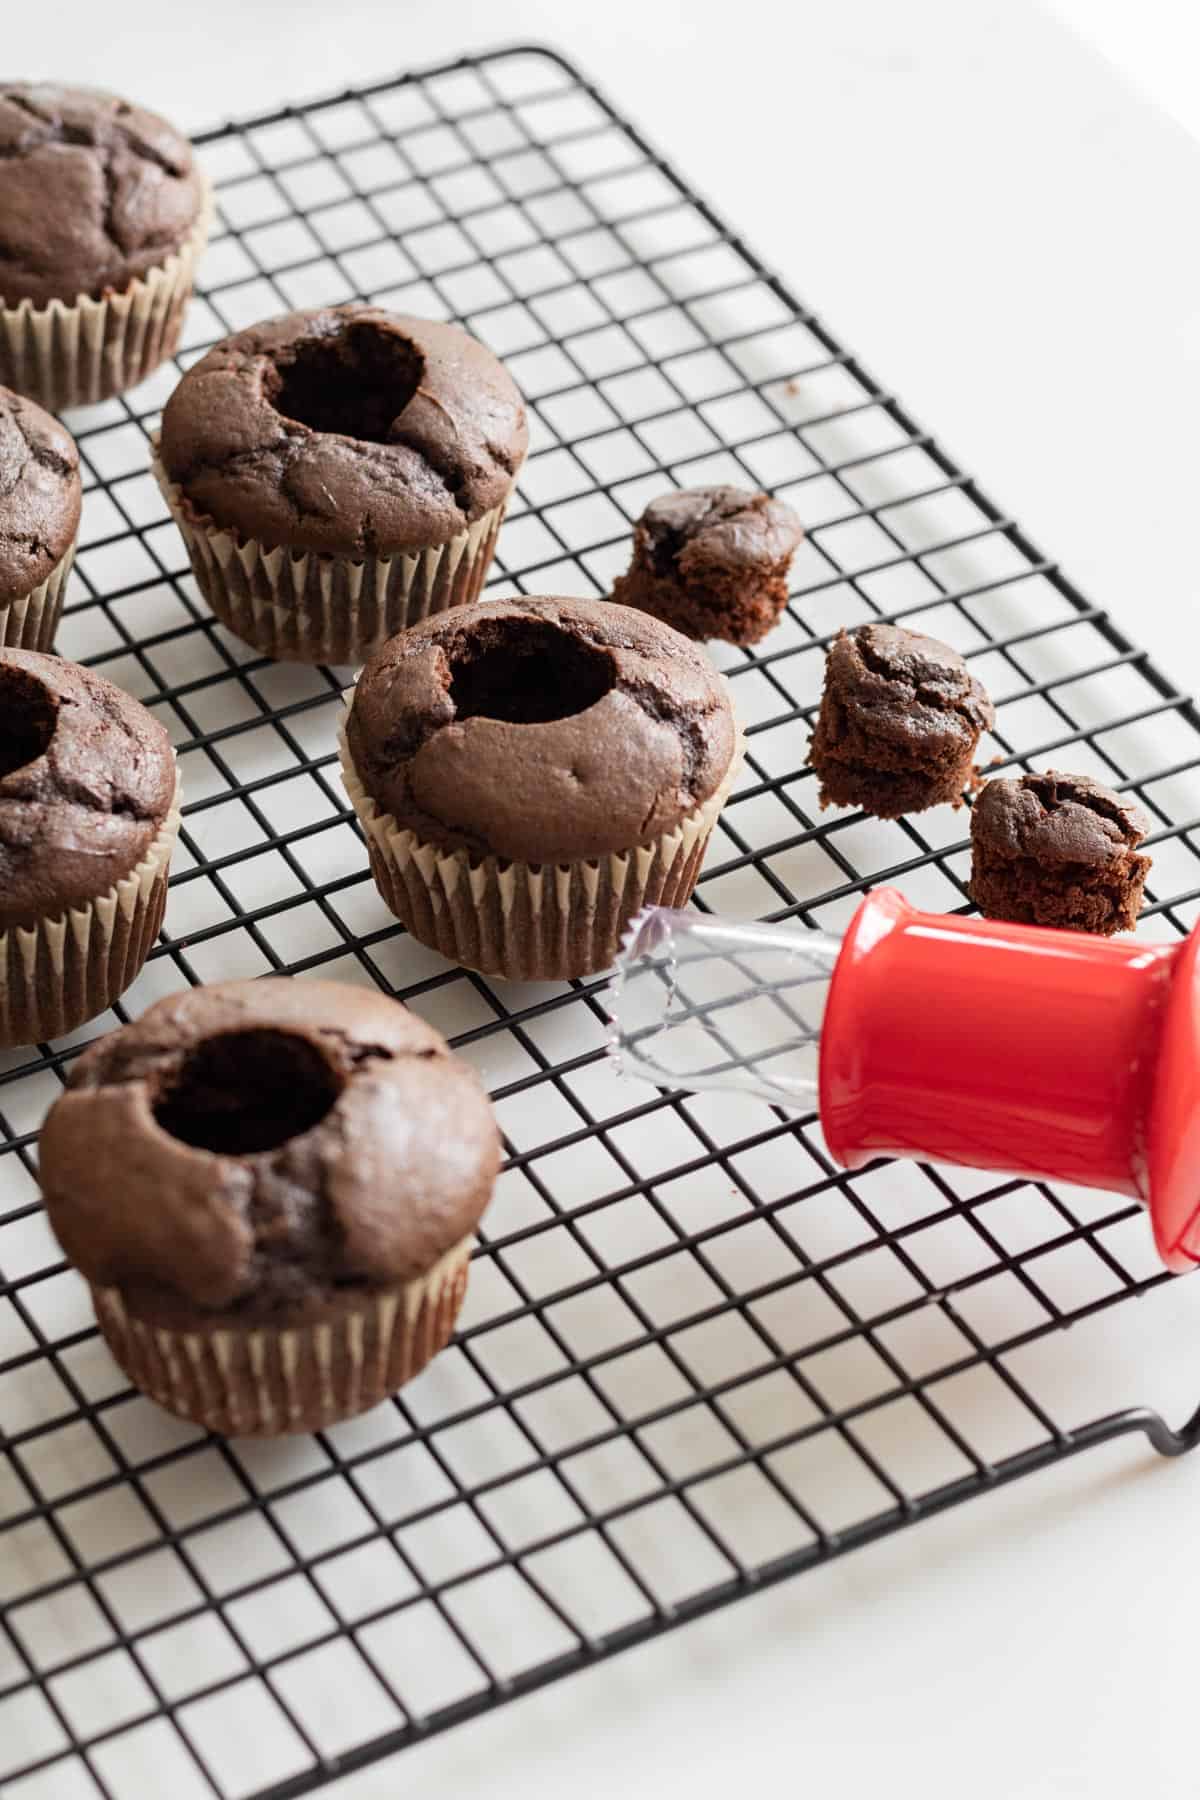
[1043, 1053]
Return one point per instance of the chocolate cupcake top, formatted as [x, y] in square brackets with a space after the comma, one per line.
[95, 193]
[1052, 818]
[87, 777]
[40, 495]
[258, 1147]
[349, 430]
[700, 532]
[540, 730]
[913, 689]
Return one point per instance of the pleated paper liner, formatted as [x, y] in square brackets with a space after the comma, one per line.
[264, 1380]
[307, 606]
[529, 922]
[59, 973]
[31, 622]
[74, 353]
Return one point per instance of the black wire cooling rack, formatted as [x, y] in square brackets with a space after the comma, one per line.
[695, 1357]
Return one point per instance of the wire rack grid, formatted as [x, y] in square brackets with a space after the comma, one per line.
[695, 1357]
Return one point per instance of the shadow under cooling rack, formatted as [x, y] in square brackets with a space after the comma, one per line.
[695, 1358]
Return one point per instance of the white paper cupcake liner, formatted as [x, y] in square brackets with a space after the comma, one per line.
[526, 921]
[59, 973]
[264, 1380]
[307, 606]
[74, 353]
[31, 622]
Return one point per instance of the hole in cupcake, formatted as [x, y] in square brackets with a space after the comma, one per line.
[527, 672]
[355, 382]
[28, 716]
[245, 1091]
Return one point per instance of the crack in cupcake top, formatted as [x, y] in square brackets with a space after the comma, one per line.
[262, 1148]
[87, 777]
[907, 684]
[1051, 817]
[541, 731]
[347, 430]
[698, 531]
[95, 192]
[40, 495]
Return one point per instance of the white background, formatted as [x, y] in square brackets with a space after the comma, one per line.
[1006, 230]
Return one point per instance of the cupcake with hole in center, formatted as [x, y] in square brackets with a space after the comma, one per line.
[530, 773]
[340, 474]
[272, 1188]
[89, 815]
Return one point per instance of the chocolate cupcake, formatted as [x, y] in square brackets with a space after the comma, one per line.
[713, 562]
[1055, 849]
[899, 725]
[40, 502]
[89, 814]
[338, 475]
[271, 1187]
[104, 214]
[530, 773]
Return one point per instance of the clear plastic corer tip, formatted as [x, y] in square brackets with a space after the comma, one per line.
[699, 1002]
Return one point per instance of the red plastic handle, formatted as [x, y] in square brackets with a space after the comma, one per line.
[1009, 1047]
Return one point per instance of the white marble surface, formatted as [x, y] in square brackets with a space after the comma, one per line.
[1006, 232]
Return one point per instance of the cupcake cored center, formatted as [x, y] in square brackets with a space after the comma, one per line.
[355, 382]
[28, 718]
[527, 672]
[243, 1092]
